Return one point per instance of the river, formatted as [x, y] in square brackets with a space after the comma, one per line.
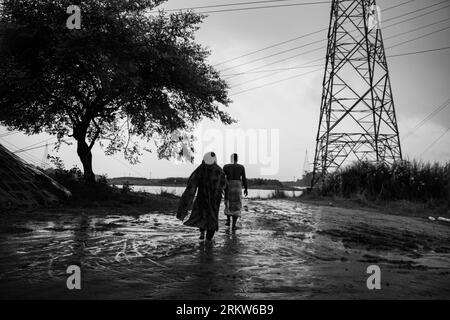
[252, 193]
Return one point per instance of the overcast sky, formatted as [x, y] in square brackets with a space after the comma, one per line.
[290, 109]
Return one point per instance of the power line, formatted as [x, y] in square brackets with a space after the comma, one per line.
[224, 5]
[404, 42]
[296, 76]
[270, 75]
[27, 156]
[34, 144]
[427, 118]
[417, 52]
[273, 55]
[272, 46]
[8, 134]
[435, 142]
[274, 70]
[288, 50]
[34, 148]
[391, 37]
[420, 37]
[249, 8]
[399, 5]
[275, 82]
[418, 10]
[418, 28]
[266, 7]
[278, 61]
[45, 145]
[30, 160]
[303, 36]
[285, 59]
[317, 49]
[311, 66]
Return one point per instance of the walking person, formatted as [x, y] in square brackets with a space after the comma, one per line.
[235, 174]
[208, 181]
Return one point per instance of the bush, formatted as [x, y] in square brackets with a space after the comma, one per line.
[278, 194]
[167, 194]
[73, 180]
[126, 188]
[412, 181]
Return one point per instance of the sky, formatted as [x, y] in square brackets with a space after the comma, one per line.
[279, 114]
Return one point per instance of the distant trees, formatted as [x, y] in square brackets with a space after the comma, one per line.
[125, 74]
[264, 182]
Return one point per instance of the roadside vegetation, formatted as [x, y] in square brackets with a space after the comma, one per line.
[101, 196]
[409, 187]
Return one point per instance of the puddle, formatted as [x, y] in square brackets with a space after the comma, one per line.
[282, 249]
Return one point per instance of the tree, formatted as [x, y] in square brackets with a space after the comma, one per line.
[129, 73]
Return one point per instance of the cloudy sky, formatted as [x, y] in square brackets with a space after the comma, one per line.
[279, 109]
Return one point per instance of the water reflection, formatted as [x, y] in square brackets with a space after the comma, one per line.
[157, 252]
[80, 237]
[252, 193]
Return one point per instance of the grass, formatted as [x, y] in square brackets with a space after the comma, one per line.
[101, 197]
[398, 207]
[412, 181]
[407, 188]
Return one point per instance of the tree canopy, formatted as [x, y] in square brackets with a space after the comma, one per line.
[129, 73]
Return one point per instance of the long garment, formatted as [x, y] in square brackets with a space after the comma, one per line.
[233, 203]
[236, 178]
[208, 181]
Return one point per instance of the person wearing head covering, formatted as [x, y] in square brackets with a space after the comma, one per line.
[235, 174]
[208, 182]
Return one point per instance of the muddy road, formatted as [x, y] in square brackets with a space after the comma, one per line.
[283, 250]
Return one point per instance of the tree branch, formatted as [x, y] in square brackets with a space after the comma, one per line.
[96, 134]
[66, 107]
[129, 134]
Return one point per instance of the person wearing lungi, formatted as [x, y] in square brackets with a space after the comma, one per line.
[236, 179]
[206, 184]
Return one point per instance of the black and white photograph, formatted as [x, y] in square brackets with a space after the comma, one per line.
[224, 155]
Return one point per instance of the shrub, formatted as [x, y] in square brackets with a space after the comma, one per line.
[277, 194]
[74, 181]
[405, 180]
[126, 188]
[167, 194]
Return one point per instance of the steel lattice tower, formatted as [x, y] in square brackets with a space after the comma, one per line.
[357, 115]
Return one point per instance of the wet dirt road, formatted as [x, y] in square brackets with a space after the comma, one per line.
[283, 250]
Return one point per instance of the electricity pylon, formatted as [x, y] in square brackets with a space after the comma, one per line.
[357, 115]
[44, 162]
[306, 164]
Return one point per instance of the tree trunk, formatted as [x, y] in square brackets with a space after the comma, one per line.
[85, 154]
